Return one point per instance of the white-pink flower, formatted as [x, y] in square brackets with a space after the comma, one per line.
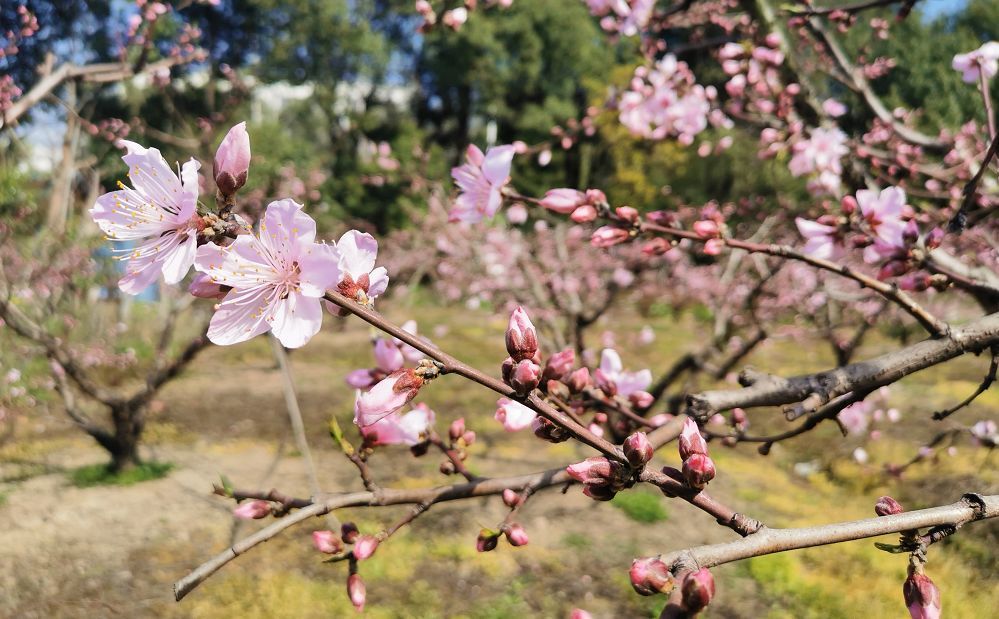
[883, 213]
[277, 279]
[821, 241]
[974, 64]
[158, 214]
[627, 383]
[480, 183]
[359, 278]
[395, 429]
[387, 397]
[513, 415]
[822, 152]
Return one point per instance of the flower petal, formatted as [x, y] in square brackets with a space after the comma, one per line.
[319, 269]
[285, 230]
[358, 251]
[240, 316]
[296, 319]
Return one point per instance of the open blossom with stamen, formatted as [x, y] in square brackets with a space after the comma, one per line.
[883, 213]
[158, 214]
[974, 64]
[513, 415]
[277, 279]
[480, 182]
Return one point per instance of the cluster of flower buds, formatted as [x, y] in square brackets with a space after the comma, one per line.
[602, 478]
[582, 207]
[521, 370]
[488, 539]
[460, 439]
[698, 468]
[331, 543]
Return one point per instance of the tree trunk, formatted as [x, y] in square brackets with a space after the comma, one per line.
[128, 425]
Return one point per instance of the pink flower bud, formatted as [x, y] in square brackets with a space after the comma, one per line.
[637, 449]
[691, 442]
[557, 389]
[349, 532]
[232, 160]
[456, 429]
[516, 535]
[584, 214]
[887, 506]
[934, 238]
[486, 540]
[387, 397]
[650, 576]
[579, 613]
[203, 287]
[641, 399]
[526, 377]
[627, 213]
[698, 589]
[599, 493]
[252, 510]
[706, 228]
[893, 268]
[579, 380]
[713, 247]
[594, 470]
[698, 470]
[365, 546]
[848, 204]
[356, 591]
[563, 200]
[604, 382]
[911, 232]
[327, 541]
[468, 437]
[608, 236]
[423, 7]
[922, 597]
[521, 336]
[511, 498]
[559, 364]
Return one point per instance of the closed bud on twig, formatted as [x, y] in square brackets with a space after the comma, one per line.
[706, 229]
[356, 591]
[468, 437]
[252, 510]
[525, 377]
[456, 429]
[594, 470]
[516, 535]
[557, 389]
[637, 449]
[739, 419]
[604, 383]
[887, 506]
[521, 337]
[349, 532]
[584, 214]
[698, 589]
[934, 238]
[579, 380]
[548, 431]
[512, 498]
[327, 541]
[559, 364]
[562, 200]
[698, 470]
[447, 467]
[599, 493]
[641, 399]
[627, 213]
[608, 236]
[486, 540]
[656, 247]
[579, 613]
[650, 576]
[365, 546]
[232, 160]
[922, 597]
[691, 442]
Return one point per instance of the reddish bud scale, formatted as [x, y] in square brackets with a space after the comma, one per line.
[637, 449]
[922, 596]
[349, 532]
[698, 589]
[526, 376]
[650, 576]
[887, 506]
[486, 540]
[698, 470]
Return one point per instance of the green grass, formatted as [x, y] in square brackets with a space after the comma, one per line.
[641, 506]
[101, 475]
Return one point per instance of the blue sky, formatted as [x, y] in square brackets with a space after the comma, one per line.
[932, 8]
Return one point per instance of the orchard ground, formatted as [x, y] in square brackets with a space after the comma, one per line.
[110, 551]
